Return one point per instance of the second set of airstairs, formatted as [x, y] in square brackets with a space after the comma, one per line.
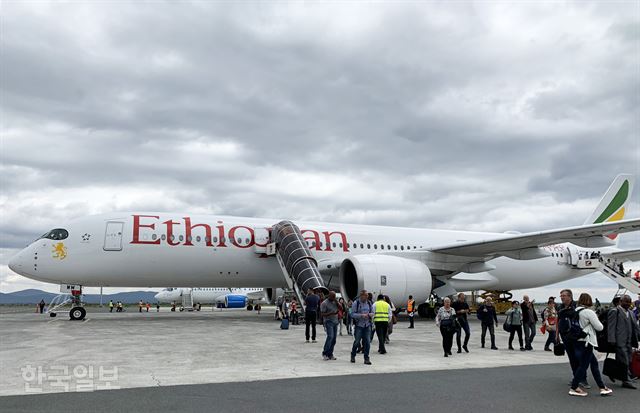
[625, 281]
[298, 265]
[187, 299]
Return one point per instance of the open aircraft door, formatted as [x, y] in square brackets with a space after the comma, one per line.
[113, 236]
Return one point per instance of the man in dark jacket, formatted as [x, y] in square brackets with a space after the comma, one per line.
[623, 332]
[529, 320]
[489, 319]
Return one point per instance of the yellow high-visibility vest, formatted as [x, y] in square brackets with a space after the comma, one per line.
[382, 311]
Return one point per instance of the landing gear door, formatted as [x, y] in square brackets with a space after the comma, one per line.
[113, 236]
[262, 236]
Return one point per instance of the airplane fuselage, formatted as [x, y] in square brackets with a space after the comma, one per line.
[173, 250]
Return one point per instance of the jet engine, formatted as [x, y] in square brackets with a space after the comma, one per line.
[235, 301]
[385, 274]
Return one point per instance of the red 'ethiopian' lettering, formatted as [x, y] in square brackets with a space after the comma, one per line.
[136, 229]
[188, 228]
[232, 236]
[343, 238]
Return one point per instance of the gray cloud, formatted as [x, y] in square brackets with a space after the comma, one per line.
[468, 116]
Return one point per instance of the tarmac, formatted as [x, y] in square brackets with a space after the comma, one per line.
[235, 359]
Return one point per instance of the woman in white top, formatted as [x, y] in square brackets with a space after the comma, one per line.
[446, 320]
[584, 348]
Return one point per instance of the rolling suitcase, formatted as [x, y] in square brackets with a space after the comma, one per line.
[284, 324]
[635, 363]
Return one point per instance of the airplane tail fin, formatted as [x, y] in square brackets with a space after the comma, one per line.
[613, 204]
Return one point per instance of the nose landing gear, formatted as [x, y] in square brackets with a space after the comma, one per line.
[74, 299]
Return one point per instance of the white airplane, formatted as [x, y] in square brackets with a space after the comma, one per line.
[141, 249]
[221, 297]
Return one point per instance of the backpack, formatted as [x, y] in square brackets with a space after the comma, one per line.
[569, 324]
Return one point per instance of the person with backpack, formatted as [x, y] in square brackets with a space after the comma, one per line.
[514, 321]
[589, 324]
[568, 329]
[362, 315]
[550, 320]
[446, 321]
[487, 316]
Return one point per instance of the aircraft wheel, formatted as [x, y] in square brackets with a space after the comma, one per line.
[77, 313]
[249, 307]
[52, 314]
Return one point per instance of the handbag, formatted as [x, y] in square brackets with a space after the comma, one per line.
[614, 369]
[558, 349]
[506, 326]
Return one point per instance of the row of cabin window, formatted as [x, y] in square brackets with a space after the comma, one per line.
[555, 254]
[311, 244]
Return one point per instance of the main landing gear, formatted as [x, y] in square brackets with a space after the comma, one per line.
[74, 300]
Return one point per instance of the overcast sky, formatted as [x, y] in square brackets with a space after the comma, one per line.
[479, 116]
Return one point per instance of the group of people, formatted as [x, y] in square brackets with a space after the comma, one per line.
[362, 318]
[571, 328]
[578, 327]
[117, 305]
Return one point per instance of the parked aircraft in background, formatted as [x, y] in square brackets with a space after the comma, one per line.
[140, 249]
[220, 297]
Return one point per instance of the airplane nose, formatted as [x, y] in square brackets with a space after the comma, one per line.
[17, 263]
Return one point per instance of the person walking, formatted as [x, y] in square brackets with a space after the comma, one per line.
[584, 348]
[157, 307]
[362, 313]
[392, 321]
[311, 303]
[381, 319]
[329, 312]
[111, 306]
[140, 304]
[294, 312]
[41, 305]
[623, 333]
[148, 306]
[529, 320]
[411, 309]
[488, 319]
[550, 321]
[514, 320]
[347, 318]
[462, 309]
[446, 322]
[566, 311]
[341, 307]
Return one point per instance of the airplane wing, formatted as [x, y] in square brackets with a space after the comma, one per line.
[628, 255]
[508, 245]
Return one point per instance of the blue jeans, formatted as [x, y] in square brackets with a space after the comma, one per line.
[361, 334]
[586, 359]
[464, 325]
[331, 326]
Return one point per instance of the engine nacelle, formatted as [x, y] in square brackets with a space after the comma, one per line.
[385, 274]
[235, 301]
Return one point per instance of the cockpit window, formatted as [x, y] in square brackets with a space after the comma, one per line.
[56, 234]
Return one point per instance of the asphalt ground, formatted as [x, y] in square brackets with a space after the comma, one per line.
[535, 388]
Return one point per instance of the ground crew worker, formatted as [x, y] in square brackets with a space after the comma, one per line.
[111, 306]
[411, 309]
[381, 318]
